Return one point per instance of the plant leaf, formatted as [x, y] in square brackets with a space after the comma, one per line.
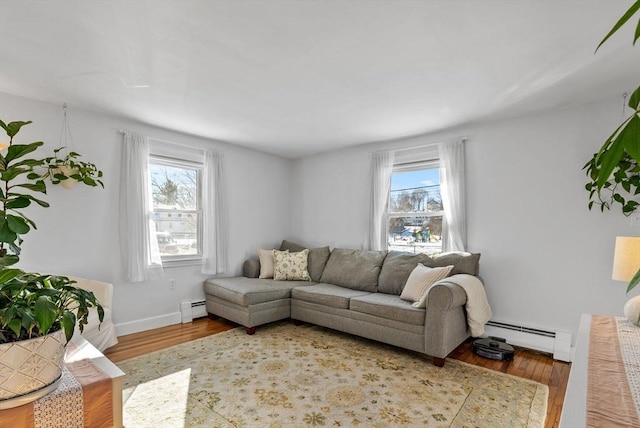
[16, 151]
[9, 260]
[45, 312]
[627, 15]
[17, 224]
[13, 128]
[68, 324]
[631, 137]
[634, 101]
[609, 159]
[634, 281]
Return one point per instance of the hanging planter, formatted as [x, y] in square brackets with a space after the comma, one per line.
[68, 170]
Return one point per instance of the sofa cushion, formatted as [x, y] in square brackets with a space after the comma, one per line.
[398, 265]
[266, 262]
[290, 266]
[356, 269]
[291, 246]
[251, 268]
[388, 306]
[250, 291]
[462, 262]
[317, 258]
[396, 269]
[327, 295]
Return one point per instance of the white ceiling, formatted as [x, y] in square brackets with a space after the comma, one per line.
[295, 78]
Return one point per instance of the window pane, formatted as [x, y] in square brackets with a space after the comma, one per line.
[416, 234]
[415, 191]
[175, 203]
[173, 187]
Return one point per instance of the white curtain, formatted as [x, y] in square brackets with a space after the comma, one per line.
[452, 188]
[139, 248]
[214, 216]
[381, 169]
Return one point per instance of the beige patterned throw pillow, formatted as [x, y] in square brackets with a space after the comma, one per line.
[420, 281]
[290, 266]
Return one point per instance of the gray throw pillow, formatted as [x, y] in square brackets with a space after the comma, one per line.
[355, 269]
[396, 269]
[317, 257]
[468, 263]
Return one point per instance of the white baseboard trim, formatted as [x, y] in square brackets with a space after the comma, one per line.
[147, 323]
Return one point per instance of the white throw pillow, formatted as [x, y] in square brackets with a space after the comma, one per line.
[420, 281]
[290, 266]
[266, 263]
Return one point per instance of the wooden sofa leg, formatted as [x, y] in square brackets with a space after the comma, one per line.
[438, 362]
[251, 330]
[212, 316]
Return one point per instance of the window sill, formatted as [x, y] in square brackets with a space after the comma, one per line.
[174, 263]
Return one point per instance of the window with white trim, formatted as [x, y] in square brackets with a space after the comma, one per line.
[177, 207]
[415, 212]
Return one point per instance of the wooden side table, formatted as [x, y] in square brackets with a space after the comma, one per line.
[80, 352]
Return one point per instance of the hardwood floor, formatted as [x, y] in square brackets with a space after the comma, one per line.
[527, 364]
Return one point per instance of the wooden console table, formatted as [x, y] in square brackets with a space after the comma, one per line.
[81, 353]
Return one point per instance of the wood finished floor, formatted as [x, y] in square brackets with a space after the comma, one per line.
[526, 364]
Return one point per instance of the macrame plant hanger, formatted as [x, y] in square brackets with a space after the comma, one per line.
[66, 146]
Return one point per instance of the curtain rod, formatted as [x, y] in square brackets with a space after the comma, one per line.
[173, 143]
[421, 146]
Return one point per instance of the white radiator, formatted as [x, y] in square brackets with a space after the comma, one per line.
[556, 342]
[191, 310]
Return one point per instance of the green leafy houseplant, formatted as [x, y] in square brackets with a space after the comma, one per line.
[617, 164]
[31, 304]
[70, 169]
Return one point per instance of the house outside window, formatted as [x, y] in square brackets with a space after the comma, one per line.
[177, 207]
[415, 210]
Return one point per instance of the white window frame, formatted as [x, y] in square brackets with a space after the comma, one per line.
[412, 166]
[171, 160]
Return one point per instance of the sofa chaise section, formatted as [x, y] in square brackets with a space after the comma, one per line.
[250, 301]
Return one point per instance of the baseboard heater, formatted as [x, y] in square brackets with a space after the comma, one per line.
[556, 342]
[192, 310]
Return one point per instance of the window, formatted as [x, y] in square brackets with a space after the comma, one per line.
[415, 208]
[176, 194]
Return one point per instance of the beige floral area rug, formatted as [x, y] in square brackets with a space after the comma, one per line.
[297, 376]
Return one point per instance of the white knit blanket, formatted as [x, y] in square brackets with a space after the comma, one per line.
[477, 306]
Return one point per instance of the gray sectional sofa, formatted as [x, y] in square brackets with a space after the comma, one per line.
[353, 291]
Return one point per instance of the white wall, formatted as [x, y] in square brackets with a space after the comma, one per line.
[78, 234]
[545, 257]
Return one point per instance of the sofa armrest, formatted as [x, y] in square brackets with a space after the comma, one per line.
[446, 321]
[251, 268]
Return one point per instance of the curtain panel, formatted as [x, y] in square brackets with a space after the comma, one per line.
[214, 215]
[452, 188]
[138, 245]
[381, 169]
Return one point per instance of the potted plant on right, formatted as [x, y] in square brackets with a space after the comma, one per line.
[38, 312]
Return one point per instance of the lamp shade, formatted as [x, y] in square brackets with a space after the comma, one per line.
[626, 259]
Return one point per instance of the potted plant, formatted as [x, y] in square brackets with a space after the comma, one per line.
[41, 309]
[617, 164]
[69, 170]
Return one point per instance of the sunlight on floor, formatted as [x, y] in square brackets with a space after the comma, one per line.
[163, 401]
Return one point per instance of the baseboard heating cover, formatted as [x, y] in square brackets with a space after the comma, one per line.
[191, 310]
[555, 342]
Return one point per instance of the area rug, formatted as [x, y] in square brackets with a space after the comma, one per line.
[296, 376]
